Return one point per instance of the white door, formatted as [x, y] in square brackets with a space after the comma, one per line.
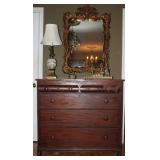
[37, 60]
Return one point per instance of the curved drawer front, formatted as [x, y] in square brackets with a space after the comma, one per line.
[79, 137]
[81, 118]
[79, 100]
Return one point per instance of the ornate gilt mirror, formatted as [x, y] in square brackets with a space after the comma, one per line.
[86, 41]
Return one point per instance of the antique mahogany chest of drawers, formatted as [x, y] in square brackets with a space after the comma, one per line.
[80, 115]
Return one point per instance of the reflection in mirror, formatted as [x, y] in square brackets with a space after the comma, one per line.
[86, 42]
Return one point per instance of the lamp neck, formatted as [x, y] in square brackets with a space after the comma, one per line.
[51, 54]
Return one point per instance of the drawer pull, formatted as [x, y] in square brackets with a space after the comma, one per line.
[52, 137]
[34, 85]
[52, 100]
[52, 117]
[106, 101]
[105, 138]
[106, 118]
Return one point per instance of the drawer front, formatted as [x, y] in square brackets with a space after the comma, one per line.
[79, 100]
[61, 138]
[81, 118]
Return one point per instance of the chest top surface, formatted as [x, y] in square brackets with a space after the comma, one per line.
[80, 85]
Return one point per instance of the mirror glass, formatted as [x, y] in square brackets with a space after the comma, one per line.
[86, 41]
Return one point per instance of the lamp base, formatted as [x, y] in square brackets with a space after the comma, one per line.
[51, 77]
[51, 74]
[51, 65]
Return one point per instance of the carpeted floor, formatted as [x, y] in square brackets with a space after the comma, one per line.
[77, 153]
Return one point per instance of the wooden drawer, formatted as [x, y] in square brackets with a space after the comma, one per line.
[81, 118]
[79, 100]
[74, 138]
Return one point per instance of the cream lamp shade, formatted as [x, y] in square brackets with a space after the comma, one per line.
[51, 35]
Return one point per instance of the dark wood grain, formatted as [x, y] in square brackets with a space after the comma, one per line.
[79, 100]
[79, 137]
[105, 83]
[80, 118]
[79, 115]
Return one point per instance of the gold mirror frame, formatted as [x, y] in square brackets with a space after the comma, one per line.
[84, 13]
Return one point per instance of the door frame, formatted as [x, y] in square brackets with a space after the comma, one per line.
[40, 10]
[123, 77]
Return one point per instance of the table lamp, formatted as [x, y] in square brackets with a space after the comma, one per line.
[51, 38]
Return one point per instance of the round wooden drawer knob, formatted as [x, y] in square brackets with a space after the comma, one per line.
[106, 101]
[52, 100]
[106, 118]
[52, 137]
[105, 137]
[52, 117]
